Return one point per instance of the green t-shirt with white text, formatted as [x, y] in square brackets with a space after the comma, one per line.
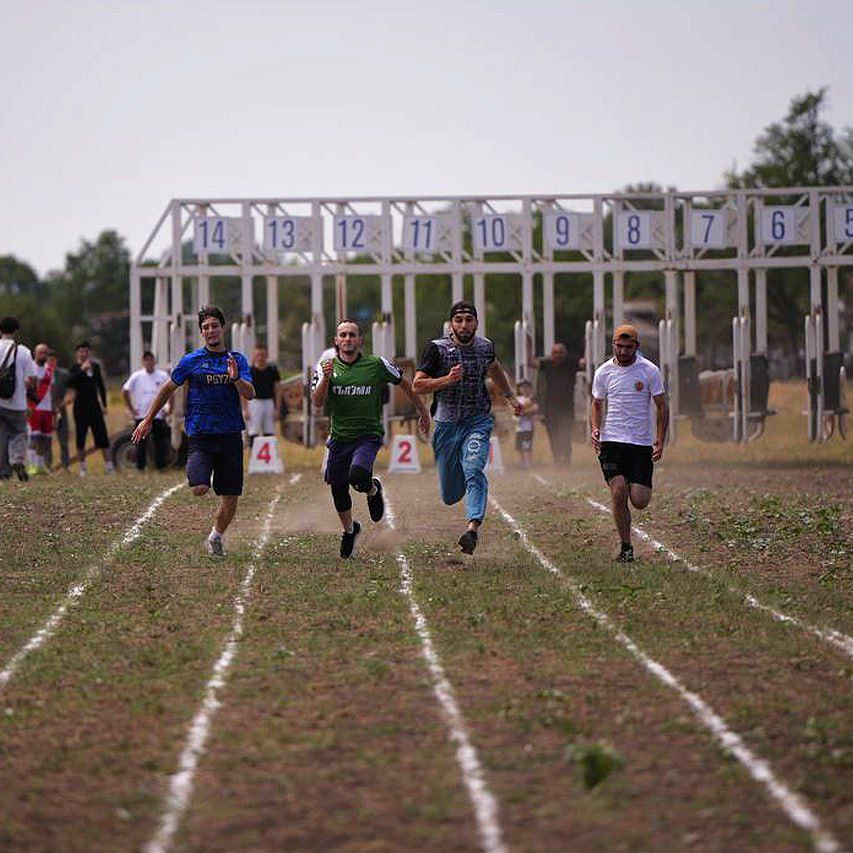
[355, 396]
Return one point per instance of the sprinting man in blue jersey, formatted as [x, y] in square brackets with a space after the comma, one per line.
[213, 422]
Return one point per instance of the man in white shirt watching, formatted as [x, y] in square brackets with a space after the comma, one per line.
[138, 392]
[623, 442]
[16, 362]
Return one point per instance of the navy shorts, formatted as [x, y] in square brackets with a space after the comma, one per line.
[345, 454]
[631, 461]
[219, 455]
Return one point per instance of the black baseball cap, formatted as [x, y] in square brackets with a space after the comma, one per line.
[462, 307]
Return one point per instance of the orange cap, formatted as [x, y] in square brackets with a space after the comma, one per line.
[625, 331]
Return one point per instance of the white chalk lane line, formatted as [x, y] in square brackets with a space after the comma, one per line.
[484, 803]
[758, 768]
[76, 592]
[181, 782]
[841, 641]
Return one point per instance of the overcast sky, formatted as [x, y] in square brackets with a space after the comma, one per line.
[109, 109]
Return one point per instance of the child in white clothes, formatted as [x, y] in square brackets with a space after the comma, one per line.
[524, 422]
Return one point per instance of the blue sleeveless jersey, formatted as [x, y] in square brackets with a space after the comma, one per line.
[213, 403]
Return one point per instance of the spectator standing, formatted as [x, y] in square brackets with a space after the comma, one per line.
[138, 392]
[556, 396]
[86, 389]
[41, 410]
[17, 377]
[263, 409]
[60, 413]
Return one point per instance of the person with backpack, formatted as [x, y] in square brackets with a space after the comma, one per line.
[17, 377]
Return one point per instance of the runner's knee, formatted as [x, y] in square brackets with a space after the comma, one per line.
[341, 498]
[360, 478]
[640, 497]
[619, 489]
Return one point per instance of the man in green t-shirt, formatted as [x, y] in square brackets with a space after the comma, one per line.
[353, 384]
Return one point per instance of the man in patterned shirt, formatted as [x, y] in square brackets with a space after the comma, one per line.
[213, 422]
[353, 383]
[455, 369]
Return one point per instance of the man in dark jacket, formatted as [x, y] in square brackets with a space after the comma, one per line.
[555, 396]
[87, 390]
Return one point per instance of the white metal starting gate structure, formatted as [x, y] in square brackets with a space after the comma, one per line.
[676, 234]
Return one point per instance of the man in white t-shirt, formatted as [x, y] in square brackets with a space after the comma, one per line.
[13, 409]
[139, 391]
[624, 443]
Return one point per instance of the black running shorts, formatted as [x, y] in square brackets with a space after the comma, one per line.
[217, 455]
[631, 461]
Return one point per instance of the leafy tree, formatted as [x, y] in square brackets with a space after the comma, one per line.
[801, 150]
[17, 276]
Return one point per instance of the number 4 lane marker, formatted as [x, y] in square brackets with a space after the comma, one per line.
[484, 803]
[731, 742]
[836, 638]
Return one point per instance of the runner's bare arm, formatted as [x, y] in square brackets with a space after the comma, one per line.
[157, 403]
[425, 384]
[596, 407]
[423, 414]
[662, 405]
[244, 388]
[321, 391]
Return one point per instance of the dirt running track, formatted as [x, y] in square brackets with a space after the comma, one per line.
[329, 735]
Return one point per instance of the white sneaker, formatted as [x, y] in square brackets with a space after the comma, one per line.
[83, 471]
[215, 545]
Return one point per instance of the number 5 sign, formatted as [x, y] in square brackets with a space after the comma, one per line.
[404, 455]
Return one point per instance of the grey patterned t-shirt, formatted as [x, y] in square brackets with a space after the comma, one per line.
[469, 396]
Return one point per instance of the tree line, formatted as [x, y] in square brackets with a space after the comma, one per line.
[88, 297]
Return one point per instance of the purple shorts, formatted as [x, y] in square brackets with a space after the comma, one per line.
[344, 454]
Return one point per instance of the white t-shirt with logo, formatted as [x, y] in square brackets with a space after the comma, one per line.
[25, 368]
[628, 391]
[143, 388]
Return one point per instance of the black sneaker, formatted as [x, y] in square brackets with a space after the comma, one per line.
[376, 503]
[468, 541]
[348, 541]
[21, 470]
[626, 555]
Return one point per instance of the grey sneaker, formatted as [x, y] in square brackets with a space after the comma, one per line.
[215, 546]
[348, 541]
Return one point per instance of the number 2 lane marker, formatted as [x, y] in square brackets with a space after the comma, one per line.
[484, 803]
[829, 635]
[731, 742]
[76, 592]
[181, 782]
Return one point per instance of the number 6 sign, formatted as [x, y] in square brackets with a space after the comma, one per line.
[404, 455]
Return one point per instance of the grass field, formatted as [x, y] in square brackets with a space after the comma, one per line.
[534, 697]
